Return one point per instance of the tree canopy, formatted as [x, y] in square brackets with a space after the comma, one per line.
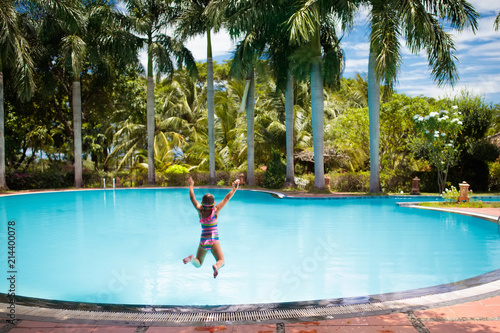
[135, 119]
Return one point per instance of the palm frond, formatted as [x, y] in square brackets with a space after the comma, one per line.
[441, 55]
[174, 47]
[68, 13]
[246, 54]
[8, 24]
[15, 52]
[460, 13]
[74, 50]
[384, 42]
[303, 22]
[24, 70]
[333, 58]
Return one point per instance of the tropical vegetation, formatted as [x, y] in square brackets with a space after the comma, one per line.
[437, 135]
[78, 106]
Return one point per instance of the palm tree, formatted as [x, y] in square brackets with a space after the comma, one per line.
[15, 56]
[236, 17]
[261, 23]
[65, 25]
[194, 21]
[280, 49]
[417, 22]
[149, 20]
[312, 23]
[83, 37]
[74, 52]
[245, 58]
[182, 106]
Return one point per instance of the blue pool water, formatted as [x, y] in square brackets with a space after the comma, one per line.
[126, 246]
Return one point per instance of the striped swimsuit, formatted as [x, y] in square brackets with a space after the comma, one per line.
[209, 232]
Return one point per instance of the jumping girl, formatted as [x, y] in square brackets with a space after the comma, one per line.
[209, 241]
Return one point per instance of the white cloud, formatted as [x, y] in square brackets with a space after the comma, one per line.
[121, 7]
[418, 64]
[358, 49]
[484, 33]
[486, 6]
[356, 65]
[409, 77]
[479, 54]
[221, 44]
[485, 85]
[143, 58]
[473, 69]
[480, 51]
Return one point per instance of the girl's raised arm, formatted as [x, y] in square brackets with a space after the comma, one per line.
[228, 196]
[195, 202]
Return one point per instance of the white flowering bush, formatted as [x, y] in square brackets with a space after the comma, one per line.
[301, 182]
[439, 131]
[450, 194]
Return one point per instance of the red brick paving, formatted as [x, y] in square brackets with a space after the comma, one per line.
[478, 316]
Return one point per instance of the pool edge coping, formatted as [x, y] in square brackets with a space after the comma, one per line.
[267, 313]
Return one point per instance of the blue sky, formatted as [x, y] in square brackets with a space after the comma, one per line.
[478, 54]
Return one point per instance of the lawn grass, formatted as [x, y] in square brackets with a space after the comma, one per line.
[470, 204]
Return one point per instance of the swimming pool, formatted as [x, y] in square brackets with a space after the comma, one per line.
[126, 247]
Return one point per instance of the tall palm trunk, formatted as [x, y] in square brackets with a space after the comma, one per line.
[374, 113]
[250, 106]
[317, 111]
[150, 106]
[211, 111]
[289, 120]
[3, 184]
[77, 131]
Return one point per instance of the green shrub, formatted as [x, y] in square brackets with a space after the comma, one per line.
[40, 180]
[276, 172]
[451, 194]
[494, 183]
[178, 169]
[393, 183]
[176, 175]
[225, 177]
[259, 177]
[19, 181]
[350, 182]
[310, 178]
[200, 178]
[129, 178]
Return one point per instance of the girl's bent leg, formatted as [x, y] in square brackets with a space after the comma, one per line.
[187, 259]
[200, 257]
[219, 256]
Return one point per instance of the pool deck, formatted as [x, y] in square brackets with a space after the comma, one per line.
[478, 316]
[470, 315]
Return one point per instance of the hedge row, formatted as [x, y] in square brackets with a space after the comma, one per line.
[339, 182]
[92, 179]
